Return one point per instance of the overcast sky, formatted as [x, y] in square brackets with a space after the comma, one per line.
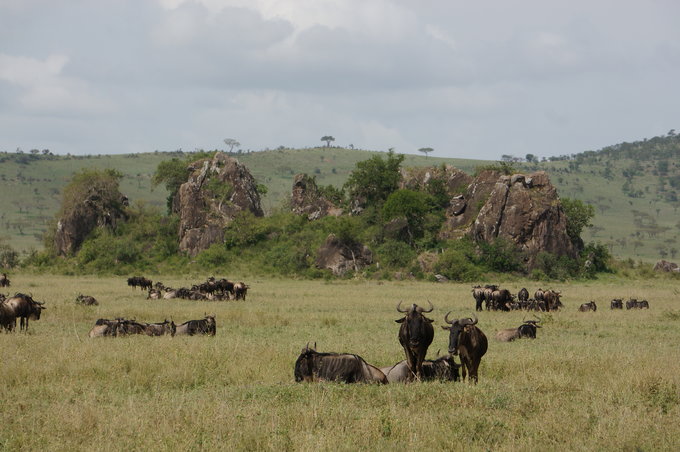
[469, 79]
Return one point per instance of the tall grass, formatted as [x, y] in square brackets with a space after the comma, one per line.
[590, 381]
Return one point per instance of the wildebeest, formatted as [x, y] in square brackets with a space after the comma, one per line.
[501, 299]
[523, 294]
[86, 300]
[140, 281]
[415, 335]
[4, 280]
[526, 329]
[538, 295]
[616, 303]
[478, 295]
[635, 304]
[443, 368]
[590, 306]
[104, 327]
[468, 342]
[206, 325]
[24, 307]
[488, 294]
[240, 291]
[160, 329]
[7, 317]
[552, 300]
[312, 366]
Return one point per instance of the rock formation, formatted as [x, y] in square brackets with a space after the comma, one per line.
[218, 189]
[454, 180]
[665, 266]
[526, 211]
[340, 257]
[306, 199]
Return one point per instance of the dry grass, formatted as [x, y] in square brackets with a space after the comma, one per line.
[591, 381]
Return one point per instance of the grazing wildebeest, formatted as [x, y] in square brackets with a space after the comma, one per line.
[86, 300]
[468, 342]
[616, 303]
[523, 294]
[4, 280]
[25, 308]
[312, 366]
[415, 335]
[206, 325]
[590, 306]
[240, 291]
[443, 368]
[478, 295]
[159, 329]
[526, 329]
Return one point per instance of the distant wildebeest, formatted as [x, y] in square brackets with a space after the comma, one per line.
[104, 327]
[443, 368]
[552, 300]
[86, 300]
[526, 329]
[24, 307]
[154, 294]
[616, 303]
[206, 325]
[478, 295]
[468, 342]
[523, 294]
[501, 300]
[590, 306]
[415, 335]
[488, 294]
[4, 280]
[312, 366]
[240, 291]
[635, 304]
[160, 329]
[7, 318]
[538, 295]
[140, 281]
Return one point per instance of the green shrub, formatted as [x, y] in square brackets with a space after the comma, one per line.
[395, 254]
[500, 256]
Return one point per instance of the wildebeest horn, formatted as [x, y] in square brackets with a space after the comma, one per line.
[446, 318]
[429, 310]
[469, 321]
[399, 308]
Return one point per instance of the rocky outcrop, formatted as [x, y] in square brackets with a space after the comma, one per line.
[665, 266]
[453, 180]
[340, 257]
[526, 211]
[307, 200]
[464, 207]
[218, 189]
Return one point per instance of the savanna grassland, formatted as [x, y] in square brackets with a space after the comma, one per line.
[590, 381]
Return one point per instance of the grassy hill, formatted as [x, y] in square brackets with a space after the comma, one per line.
[633, 191]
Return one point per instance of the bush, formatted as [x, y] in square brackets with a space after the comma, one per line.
[500, 256]
[458, 263]
[395, 254]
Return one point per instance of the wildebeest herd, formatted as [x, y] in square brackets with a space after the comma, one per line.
[497, 299]
[212, 289]
[20, 306]
[125, 327]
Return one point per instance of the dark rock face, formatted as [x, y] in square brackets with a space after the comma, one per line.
[217, 190]
[526, 211]
[341, 257]
[306, 199]
[98, 209]
[665, 266]
[464, 208]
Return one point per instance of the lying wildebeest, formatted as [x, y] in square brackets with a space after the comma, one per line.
[443, 368]
[154, 294]
[616, 303]
[415, 335]
[160, 329]
[104, 327]
[526, 329]
[24, 307]
[86, 300]
[312, 366]
[240, 291]
[206, 325]
[468, 342]
[590, 306]
[478, 295]
[4, 280]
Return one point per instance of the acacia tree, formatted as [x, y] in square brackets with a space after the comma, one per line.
[328, 139]
[232, 143]
[425, 151]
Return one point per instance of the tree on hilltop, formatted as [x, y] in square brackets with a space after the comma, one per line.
[328, 139]
[425, 151]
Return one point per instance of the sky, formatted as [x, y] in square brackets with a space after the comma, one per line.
[468, 79]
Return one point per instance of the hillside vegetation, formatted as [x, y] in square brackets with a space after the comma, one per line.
[633, 187]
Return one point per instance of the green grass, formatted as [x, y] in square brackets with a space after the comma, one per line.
[590, 381]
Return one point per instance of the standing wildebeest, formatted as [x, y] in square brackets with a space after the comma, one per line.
[478, 295]
[140, 281]
[590, 306]
[7, 318]
[415, 335]
[635, 304]
[616, 303]
[526, 329]
[24, 307]
[240, 291]
[488, 294]
[312, 366]
[4, 280]
[468, 342]
[87, 300]
[443, 368]
[501, 300]
[552, 300]
[538, 295]
[206, 325]
[523, 295]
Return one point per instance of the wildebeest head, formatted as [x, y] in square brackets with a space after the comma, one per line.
[457, 326]
[417, 325]
[304, 365]
[528, 328]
